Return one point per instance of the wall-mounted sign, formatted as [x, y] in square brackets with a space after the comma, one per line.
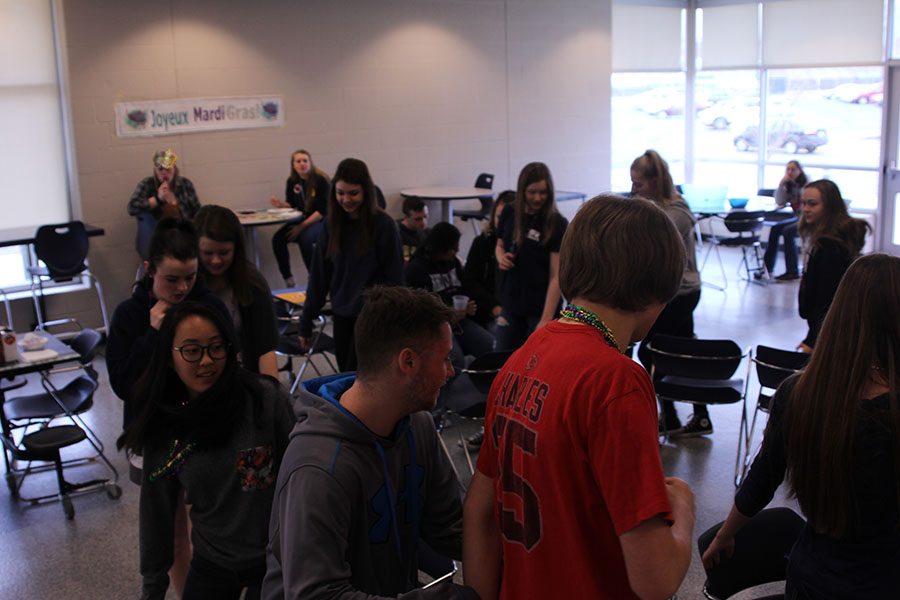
[186, 115]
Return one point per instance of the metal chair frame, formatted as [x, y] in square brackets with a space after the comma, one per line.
[486, 181]
[717, 378]
[763, 401]
[286, 319]
[751, 222]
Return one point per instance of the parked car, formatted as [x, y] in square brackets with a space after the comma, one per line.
[786, 136]
[723, 114]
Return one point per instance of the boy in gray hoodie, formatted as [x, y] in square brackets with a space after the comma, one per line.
[363, 480]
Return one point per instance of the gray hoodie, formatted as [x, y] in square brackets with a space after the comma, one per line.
[684, 220]
[350, 506]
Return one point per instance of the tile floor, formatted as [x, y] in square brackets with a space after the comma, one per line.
[95, 555]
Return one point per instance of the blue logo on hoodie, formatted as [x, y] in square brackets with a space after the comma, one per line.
[410, 495]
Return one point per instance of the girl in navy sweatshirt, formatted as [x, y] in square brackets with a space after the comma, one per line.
[359, 248]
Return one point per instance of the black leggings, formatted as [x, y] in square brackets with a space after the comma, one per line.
[208, 581]
[677, 318]
[344, 342]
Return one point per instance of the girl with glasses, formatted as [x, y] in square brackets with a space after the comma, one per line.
[171, 277]
[216, 433]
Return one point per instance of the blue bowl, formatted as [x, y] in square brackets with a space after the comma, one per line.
[737, 202]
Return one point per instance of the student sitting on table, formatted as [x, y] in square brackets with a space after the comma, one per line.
[413, 226]
[240, 286]
[787, 194]
[306, 190]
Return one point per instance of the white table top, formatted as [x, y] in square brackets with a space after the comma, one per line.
[446, 192]
[251, 217]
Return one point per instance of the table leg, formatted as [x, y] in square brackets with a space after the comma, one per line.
[447, 211]
[251, 238]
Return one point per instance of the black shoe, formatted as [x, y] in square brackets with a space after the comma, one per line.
[788, 277]
[473, 442]
[695, 427]
[670, 425]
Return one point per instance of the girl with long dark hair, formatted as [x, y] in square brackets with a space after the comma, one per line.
[831, 240]
[527, 251]
[240, 286]
[216, 433]
[834, 436]
[306, 190]
[359, 248]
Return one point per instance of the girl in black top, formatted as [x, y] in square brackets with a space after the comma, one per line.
[834, 435]
[240, 286]
[831, 240]
[527, 251]
[359, 248]
[480, 273]
[306, 190]
[216, 433]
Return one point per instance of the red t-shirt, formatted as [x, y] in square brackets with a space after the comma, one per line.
[571, 444]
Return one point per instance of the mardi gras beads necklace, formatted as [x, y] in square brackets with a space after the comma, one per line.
[573, 312]
[178, 454]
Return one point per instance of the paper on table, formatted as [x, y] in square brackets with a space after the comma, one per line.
[37, 355]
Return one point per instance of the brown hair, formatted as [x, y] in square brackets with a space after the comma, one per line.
[535, 172]
[220, 224]
[623, 253]
[503, 199]
[654, 170]
[836, 223]
[393, 318]
[861, 332]
[353, 171]
[309, 184]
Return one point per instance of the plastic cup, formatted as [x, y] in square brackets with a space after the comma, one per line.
[460, 302]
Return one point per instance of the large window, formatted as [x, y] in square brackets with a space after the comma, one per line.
[765, 91]
[32, 157]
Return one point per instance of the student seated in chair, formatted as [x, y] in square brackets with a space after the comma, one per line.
[364, 480]
[569, 498]
[413, 226]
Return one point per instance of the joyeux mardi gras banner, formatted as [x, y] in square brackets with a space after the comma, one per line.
[186, 115]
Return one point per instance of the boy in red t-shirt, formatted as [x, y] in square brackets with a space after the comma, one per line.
[569, 499]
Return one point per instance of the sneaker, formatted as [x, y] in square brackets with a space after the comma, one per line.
[670, 426]
[788, 277]
[695, 427]
[473, 442]
[289, 282]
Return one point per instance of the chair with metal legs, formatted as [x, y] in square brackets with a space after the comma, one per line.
[63, 248]
[747, 225]
[289, 345]
[772, 367]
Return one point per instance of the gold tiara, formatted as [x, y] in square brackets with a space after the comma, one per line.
[165, 159]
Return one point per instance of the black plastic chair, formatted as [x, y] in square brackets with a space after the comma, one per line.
[31, 418]
[772, 367]
[289, 345]
[748, 225]
[483, 213]
[698, 372]
[63, 248]
[761, 550]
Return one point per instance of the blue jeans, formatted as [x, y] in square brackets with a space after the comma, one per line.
[469, 338]
[208, 581]
[788, 230]
[306, 241]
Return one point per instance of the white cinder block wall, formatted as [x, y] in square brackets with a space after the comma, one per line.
[427, 92]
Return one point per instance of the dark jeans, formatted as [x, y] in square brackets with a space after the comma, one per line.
[788, 230]
[469, 339]
[517, 330]
[306, 241]
[677, 318]
[208, 581]
[344, 342]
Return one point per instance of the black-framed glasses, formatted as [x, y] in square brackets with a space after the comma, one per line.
[194, 352]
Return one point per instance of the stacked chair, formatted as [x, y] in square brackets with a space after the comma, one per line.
[30, 433]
